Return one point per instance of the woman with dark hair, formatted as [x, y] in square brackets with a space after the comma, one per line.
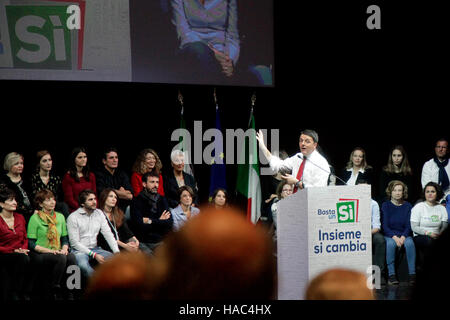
[49, 244]
[78, 178]
[397, 168]
[184, 211]
[219, 198]
[397, 229]
[428, 219]
[14, 258]
[125, 238]
[284, 190]
[44, 178]
[147, 161]
[356, 169]
[13, 179]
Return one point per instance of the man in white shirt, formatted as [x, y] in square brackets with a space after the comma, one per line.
[438, 169]
[83, 226]
[315, 171]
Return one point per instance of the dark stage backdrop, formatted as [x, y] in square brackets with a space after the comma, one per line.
[356, 87]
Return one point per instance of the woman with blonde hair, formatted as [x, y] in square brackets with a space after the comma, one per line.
[397, 231]
[147, 161]
[357, 168]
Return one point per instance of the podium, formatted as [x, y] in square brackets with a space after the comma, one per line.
[320, 228]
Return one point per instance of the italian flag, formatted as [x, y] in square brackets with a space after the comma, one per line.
[248, 183]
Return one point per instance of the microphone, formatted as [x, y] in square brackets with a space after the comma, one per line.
[304, 158]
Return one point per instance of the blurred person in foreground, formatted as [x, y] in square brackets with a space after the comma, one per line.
[339, 284]
[216, 255]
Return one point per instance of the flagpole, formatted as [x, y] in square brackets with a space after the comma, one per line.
[180, 99]
[187, 167]
[253, 99]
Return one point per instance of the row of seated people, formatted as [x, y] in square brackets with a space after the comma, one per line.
[36, 255]
[399, 225]
[80, 177]
[397, 167]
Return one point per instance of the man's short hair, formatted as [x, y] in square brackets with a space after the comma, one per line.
[149, 174]
[83, 195]
[108, 150]
[311, 133]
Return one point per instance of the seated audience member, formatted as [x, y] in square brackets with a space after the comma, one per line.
[219, 199]
[150, 216]
[177, 178]
[127, 276]
[209, 259]
[78, 178]
[437, 170]
[432, 280]
[110, 176]
[115, 217]
[397, 168]
[339, 284]
[428, 219]
[284, 190]
[378, 241]
[356, 169]
[269, 184]
[147, 161]
[14, 260]
[397, 229]
[13, 179]
[44, 178]
[184, 211]
[83, 226]
[49, 245]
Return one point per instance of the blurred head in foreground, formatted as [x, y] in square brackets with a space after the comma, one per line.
[126, 276]
[339, 284]
[216, 255]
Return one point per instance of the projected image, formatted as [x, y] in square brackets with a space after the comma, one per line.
[226, 42]
[65, 40]
[223, 42]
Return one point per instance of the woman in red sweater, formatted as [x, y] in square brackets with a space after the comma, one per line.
[147, 160]
[14, 259]
[77, 179]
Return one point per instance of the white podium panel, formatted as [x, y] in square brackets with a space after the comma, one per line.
[319, 229]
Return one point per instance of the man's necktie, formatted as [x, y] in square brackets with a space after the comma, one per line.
[300, 172]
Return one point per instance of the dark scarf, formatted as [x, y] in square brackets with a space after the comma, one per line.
[152, 199]
[443, 176]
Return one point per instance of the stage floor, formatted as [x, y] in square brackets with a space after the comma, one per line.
[398, 292]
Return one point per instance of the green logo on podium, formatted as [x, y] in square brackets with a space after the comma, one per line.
[346, 211]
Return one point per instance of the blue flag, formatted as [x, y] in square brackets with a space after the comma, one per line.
[218, 176]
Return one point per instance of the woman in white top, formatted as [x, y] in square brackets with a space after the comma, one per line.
[428, 219]
[357, 168]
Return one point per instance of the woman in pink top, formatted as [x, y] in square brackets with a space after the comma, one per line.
[78, 178]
